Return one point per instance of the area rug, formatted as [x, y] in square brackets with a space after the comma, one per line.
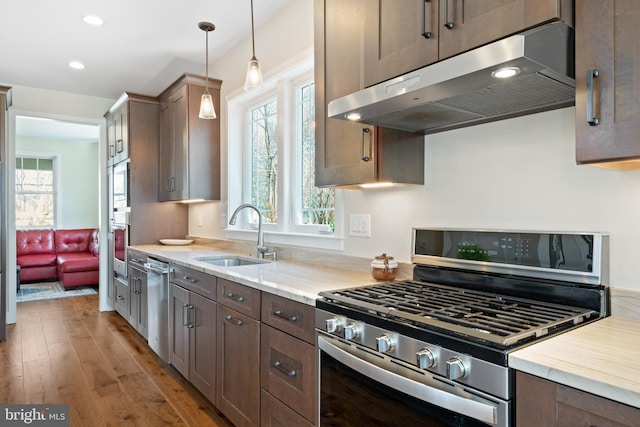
[50, 290]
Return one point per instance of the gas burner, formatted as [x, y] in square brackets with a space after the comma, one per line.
[501, 320]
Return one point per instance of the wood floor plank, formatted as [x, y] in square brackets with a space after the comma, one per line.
[66, 351]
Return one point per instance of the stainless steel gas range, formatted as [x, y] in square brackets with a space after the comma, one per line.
[434, 350]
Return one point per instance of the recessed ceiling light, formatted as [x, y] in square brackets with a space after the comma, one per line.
[76, 65]
[93, 20]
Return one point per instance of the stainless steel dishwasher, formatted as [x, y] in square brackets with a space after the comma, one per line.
[158, 306]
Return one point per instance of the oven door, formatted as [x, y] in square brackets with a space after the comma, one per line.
[120, 243]
[360, 388]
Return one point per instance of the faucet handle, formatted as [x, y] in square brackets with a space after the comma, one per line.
[272, 254]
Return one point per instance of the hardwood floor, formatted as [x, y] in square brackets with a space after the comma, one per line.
[66, 351]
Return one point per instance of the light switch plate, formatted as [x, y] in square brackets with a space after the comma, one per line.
[360, 225]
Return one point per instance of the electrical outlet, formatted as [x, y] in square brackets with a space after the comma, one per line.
[200, 220]
[360, 225]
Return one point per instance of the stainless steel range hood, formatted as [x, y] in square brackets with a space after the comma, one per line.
[460, 91]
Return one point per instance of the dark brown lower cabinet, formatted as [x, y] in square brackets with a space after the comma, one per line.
[276, 414]
[193, 341]
[540, 402]
[238, 353]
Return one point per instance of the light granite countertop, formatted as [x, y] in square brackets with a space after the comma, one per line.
[601, 358]
[296, 281]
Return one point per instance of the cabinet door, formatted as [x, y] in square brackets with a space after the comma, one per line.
[165, 154]
[465, 25]
[173, 146]
[121, 125]
[137, 315]
[238, 379]
[111, 139]
[399, 37]
[202, 346]
[179, 339]
[606, 41]
[142, 320]
[340, 145]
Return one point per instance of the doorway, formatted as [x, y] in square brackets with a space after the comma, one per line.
[75, 147]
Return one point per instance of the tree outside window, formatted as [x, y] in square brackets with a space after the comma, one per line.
[34, 192]
[317, 204]
[264, 159]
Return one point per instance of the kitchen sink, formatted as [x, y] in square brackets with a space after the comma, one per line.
[230, 261]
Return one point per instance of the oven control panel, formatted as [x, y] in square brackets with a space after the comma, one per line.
[421, 355]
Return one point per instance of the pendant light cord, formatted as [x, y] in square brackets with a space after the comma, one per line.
[253, 38]
[206, 60]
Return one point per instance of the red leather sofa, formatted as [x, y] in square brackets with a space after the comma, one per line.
[71, 256]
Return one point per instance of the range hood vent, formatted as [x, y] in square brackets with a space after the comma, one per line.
[460, 91]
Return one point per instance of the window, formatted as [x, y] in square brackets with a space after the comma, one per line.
[276, 162]
[35, 192]
[316, 205]
[263, 122]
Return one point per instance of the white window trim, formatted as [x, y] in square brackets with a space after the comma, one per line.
[292, 74]
[57, 196]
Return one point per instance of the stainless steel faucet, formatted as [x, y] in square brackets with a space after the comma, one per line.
[262, 250]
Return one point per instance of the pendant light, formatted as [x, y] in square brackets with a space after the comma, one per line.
[206, 103]
[254, 74]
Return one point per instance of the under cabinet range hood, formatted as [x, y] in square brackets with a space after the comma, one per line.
[464, 90]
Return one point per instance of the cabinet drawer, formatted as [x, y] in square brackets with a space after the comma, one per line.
[201, 283]
[136, 257]
[121, 291]
[241, 298]
[288, 370]
[274, 413]
[292, 317]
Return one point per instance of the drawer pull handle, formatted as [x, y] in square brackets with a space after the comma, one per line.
[592, 115]
[189, 279]
[235, 322]
[234, 297]
[185, 316]
[281, 315]
[278, 365]
[426, 34]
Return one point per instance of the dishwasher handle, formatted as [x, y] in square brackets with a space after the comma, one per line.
[155, 269]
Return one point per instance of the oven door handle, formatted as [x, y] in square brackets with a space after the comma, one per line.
[484, 412]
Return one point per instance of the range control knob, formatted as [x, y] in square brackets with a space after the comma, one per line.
[332, 325]
[456, 369]
[350, 332]
[384, 343]
[425, 358]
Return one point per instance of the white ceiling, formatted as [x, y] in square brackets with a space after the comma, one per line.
[143, 46]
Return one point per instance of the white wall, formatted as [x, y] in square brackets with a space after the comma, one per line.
[516, 174]
[77, 169]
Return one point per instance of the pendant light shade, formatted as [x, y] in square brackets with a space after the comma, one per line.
[254, 73]
[206, 102]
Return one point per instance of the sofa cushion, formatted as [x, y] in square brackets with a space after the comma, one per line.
[75, 262]
[69, 241]
[33, 242]
[39, 260]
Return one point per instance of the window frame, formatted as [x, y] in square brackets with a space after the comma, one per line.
[284, 86]
[55, 158]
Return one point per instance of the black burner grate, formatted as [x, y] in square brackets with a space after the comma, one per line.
[481, 316]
